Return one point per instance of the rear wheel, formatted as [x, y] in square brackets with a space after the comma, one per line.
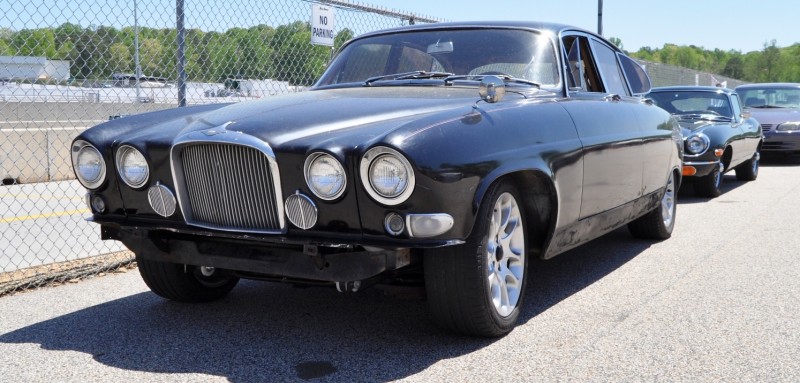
[658, 224]
[748, 170]
[185, 283]
[477, 288]
[709, 186]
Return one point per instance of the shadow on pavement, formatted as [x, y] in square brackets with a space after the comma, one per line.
[271, 332]
[686, 194]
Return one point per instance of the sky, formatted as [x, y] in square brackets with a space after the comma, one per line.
[741, 25]
[711, 24]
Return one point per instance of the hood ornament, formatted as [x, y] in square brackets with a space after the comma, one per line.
[217, 130]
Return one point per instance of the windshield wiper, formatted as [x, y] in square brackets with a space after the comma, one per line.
[709, 116]
[767, 106]
[419, 74]
[506, 78]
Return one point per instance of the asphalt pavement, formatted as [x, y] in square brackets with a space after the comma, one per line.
[719, 301]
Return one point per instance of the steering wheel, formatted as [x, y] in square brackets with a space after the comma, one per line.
[701, 112]
[494, 73]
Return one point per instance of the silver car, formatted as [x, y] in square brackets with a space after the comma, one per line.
[776, 106]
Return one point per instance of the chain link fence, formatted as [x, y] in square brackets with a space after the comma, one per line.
[66, 66]
[666, 75]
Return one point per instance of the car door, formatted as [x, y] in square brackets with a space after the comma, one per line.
[606, 124]
[749, 127]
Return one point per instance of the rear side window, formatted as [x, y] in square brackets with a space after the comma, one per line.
[609, 69]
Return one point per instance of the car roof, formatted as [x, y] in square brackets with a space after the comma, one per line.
[769, 85]
[554, 28]
[692, 88]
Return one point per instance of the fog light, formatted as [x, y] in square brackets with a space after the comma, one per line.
[429, 225]
[98, 204]
[394, 224]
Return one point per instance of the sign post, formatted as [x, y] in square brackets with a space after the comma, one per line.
[323, 22]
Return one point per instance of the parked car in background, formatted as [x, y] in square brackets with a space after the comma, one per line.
[449, 152]
[718, 136]
[777, 107]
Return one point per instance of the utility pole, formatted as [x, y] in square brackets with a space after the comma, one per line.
[181, 41]
[136, 50]
[600, 17]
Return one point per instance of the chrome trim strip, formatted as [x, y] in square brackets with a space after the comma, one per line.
[219, 135]
[701, 163]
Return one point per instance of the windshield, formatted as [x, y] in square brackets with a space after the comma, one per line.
[688, 103]
[771, 97]
[515, 53]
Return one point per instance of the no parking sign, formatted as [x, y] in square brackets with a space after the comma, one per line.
[322, 25]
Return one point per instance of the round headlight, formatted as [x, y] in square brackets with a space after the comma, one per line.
[325, 176]
[132, 166]
[788, 127]
[90, 168]
[388, 176]
[697, 143]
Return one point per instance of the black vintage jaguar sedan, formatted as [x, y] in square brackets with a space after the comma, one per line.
[719, 136]
[456, 151]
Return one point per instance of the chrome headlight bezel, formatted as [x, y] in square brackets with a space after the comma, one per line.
[404, 186]
[123, 154]
[697, 144]
[314, 162]
[792, 126]
[81, 149]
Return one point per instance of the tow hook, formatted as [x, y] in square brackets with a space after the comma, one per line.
[348, 287]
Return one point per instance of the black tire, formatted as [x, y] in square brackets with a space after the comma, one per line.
[459, 279]
[185, 283]
[748, 170]
[709, 185]
[659, 223]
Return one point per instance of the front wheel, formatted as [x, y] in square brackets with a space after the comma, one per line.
[477, 288]
[748, 170]
[185, 283]
[709, 185]
[658, 224]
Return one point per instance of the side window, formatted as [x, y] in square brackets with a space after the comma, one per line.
[637, 78]
[582, 73]
[609, 69]
[737, 107]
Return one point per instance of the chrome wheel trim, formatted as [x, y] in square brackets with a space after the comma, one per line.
[756, 159]
[505, 255]
[668, 202]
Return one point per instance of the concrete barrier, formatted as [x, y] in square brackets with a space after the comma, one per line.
[35, 137]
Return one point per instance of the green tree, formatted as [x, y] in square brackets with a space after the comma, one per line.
[769, 61]
[616, 41]
[150, 53]
[120, 58]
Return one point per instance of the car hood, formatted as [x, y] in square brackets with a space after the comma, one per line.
[320, 115]
[692, 126]
[774, 115]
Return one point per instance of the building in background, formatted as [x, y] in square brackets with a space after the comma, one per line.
[33, 68]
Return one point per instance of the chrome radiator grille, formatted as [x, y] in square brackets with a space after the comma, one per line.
[228, 187]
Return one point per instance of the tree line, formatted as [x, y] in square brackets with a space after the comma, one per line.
[260, 52]
[771, 64]
[285, 54]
